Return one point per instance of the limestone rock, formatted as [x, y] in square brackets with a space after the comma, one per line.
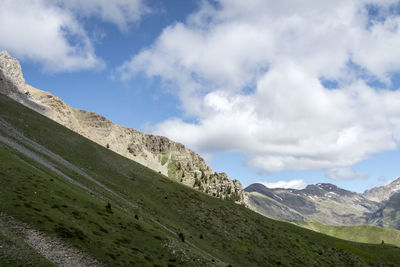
[156, 152]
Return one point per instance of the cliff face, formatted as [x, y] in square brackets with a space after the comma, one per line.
[156, 152]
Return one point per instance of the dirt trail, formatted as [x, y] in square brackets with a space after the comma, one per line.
[50, 247]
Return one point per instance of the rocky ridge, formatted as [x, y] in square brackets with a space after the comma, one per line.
[328, 204]
[156, 152]
[383, 193]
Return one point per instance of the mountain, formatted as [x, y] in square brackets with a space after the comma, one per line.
[66, 200]
[156, 152]
[328, 204]
[383, 193]
[389, 214]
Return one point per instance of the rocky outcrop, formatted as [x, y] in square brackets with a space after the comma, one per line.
[156, 152]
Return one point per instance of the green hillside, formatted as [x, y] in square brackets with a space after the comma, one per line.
[359, 233]
[124, 214]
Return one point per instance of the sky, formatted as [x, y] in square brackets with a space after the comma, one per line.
[286, 93]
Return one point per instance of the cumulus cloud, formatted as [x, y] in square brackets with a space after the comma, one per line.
[293, 184]
[51, 32]
[254, 76]
[345, 174]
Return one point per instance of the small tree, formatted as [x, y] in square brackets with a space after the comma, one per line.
[181, 237]
[196, 182]
[108, 145]
[108, 207]
[203, 175]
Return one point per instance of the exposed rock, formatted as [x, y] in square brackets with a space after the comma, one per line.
[324, 203]
[383, 193]
[12, 72]
[12, 83]
[156, 152]
[328, 204]
[389, 214]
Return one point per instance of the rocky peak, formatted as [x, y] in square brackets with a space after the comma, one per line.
[10, 69]
[314, 190]
[12, 82]
[383, 193]
[156, 152]
[395, 183]
[334, 189]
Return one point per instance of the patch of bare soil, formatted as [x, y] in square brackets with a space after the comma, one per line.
[50, 247]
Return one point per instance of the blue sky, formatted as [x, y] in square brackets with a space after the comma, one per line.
[278, 92]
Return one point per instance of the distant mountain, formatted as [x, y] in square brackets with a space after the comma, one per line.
[328, 204]
[389, 214]
[156, 152]
[383, 193]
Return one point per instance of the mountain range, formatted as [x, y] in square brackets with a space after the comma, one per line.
[328, 204]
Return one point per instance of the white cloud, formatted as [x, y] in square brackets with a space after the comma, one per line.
[250, 74]
[293, 184]
[51, 32]
[118, 12]
[345, 174]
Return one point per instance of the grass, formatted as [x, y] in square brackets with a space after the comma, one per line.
[164, 159]
[360, 233]
[126, 234]
[174, 169]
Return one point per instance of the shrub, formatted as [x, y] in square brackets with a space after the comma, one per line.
[181, 237]
[108, 207]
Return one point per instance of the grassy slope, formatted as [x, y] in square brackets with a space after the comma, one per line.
[228, 231]
[360, 233]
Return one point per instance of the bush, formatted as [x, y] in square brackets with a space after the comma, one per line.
[108, 207]
[196, 182]
[181, 237]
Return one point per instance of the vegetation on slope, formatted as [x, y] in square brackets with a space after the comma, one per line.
[359, 233]
[131, 215]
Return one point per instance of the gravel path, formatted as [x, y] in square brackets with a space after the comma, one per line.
[50, 247]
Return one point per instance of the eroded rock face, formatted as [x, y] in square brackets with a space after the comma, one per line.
[156, 152]
[12, 73]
